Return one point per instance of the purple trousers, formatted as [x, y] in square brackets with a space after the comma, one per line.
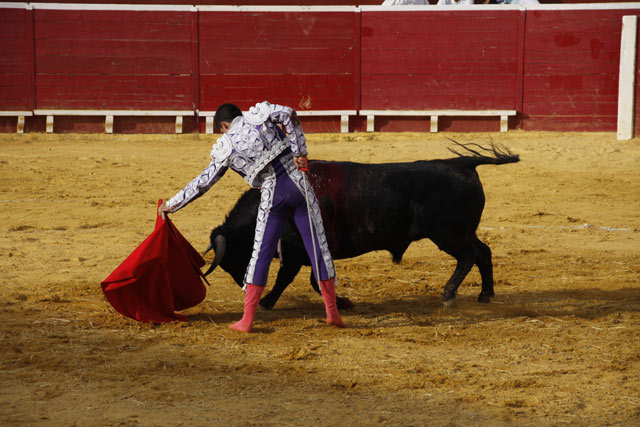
[282, 197]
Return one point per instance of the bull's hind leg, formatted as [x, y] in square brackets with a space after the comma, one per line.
[451, 288]
[485, 265]
[465, 253]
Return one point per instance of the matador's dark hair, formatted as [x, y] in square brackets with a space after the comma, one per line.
[226, 113]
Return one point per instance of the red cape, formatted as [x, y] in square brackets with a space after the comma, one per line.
[162, 275]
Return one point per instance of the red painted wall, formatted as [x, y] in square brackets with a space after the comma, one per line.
[16, 62]
[307, 60]
[130, 60]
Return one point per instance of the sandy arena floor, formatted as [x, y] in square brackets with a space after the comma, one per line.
[559, 345]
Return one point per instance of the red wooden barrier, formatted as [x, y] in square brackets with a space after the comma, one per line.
[441, 60]
[637, 94]
[558, 66]
[16, 66]
[251, 2]
[571, 69]
[115, 59]
[305, 59]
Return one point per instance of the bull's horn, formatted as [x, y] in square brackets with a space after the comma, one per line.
[220, 248]
[208, 249]
[206, 273]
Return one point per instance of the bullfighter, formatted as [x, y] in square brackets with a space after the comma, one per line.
[271, 159]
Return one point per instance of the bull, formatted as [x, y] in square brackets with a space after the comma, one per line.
[371, 207]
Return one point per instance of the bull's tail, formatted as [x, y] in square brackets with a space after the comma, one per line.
[479, 155]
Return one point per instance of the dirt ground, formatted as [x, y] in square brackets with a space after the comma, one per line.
[559, 344]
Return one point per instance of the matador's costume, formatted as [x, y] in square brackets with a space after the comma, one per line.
[262, 153]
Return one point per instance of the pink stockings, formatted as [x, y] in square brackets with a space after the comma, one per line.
[252, 298]
[329, 296]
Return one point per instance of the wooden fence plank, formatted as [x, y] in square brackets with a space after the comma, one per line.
[440, 59]
[114, 59]
[15, 59]
[571, 69]
[626, 88]
[304, 59]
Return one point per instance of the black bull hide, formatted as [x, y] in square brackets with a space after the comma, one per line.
[370, 207]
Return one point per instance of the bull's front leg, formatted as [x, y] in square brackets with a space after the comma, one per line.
[286, 274]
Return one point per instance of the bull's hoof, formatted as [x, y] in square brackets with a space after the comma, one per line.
[266, 303]
[449, 302]
[344, 303]
[484, 298]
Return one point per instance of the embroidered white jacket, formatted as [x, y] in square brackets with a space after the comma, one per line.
[252, 142]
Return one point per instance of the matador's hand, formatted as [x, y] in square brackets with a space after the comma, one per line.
[163, 210]
[301, 162]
